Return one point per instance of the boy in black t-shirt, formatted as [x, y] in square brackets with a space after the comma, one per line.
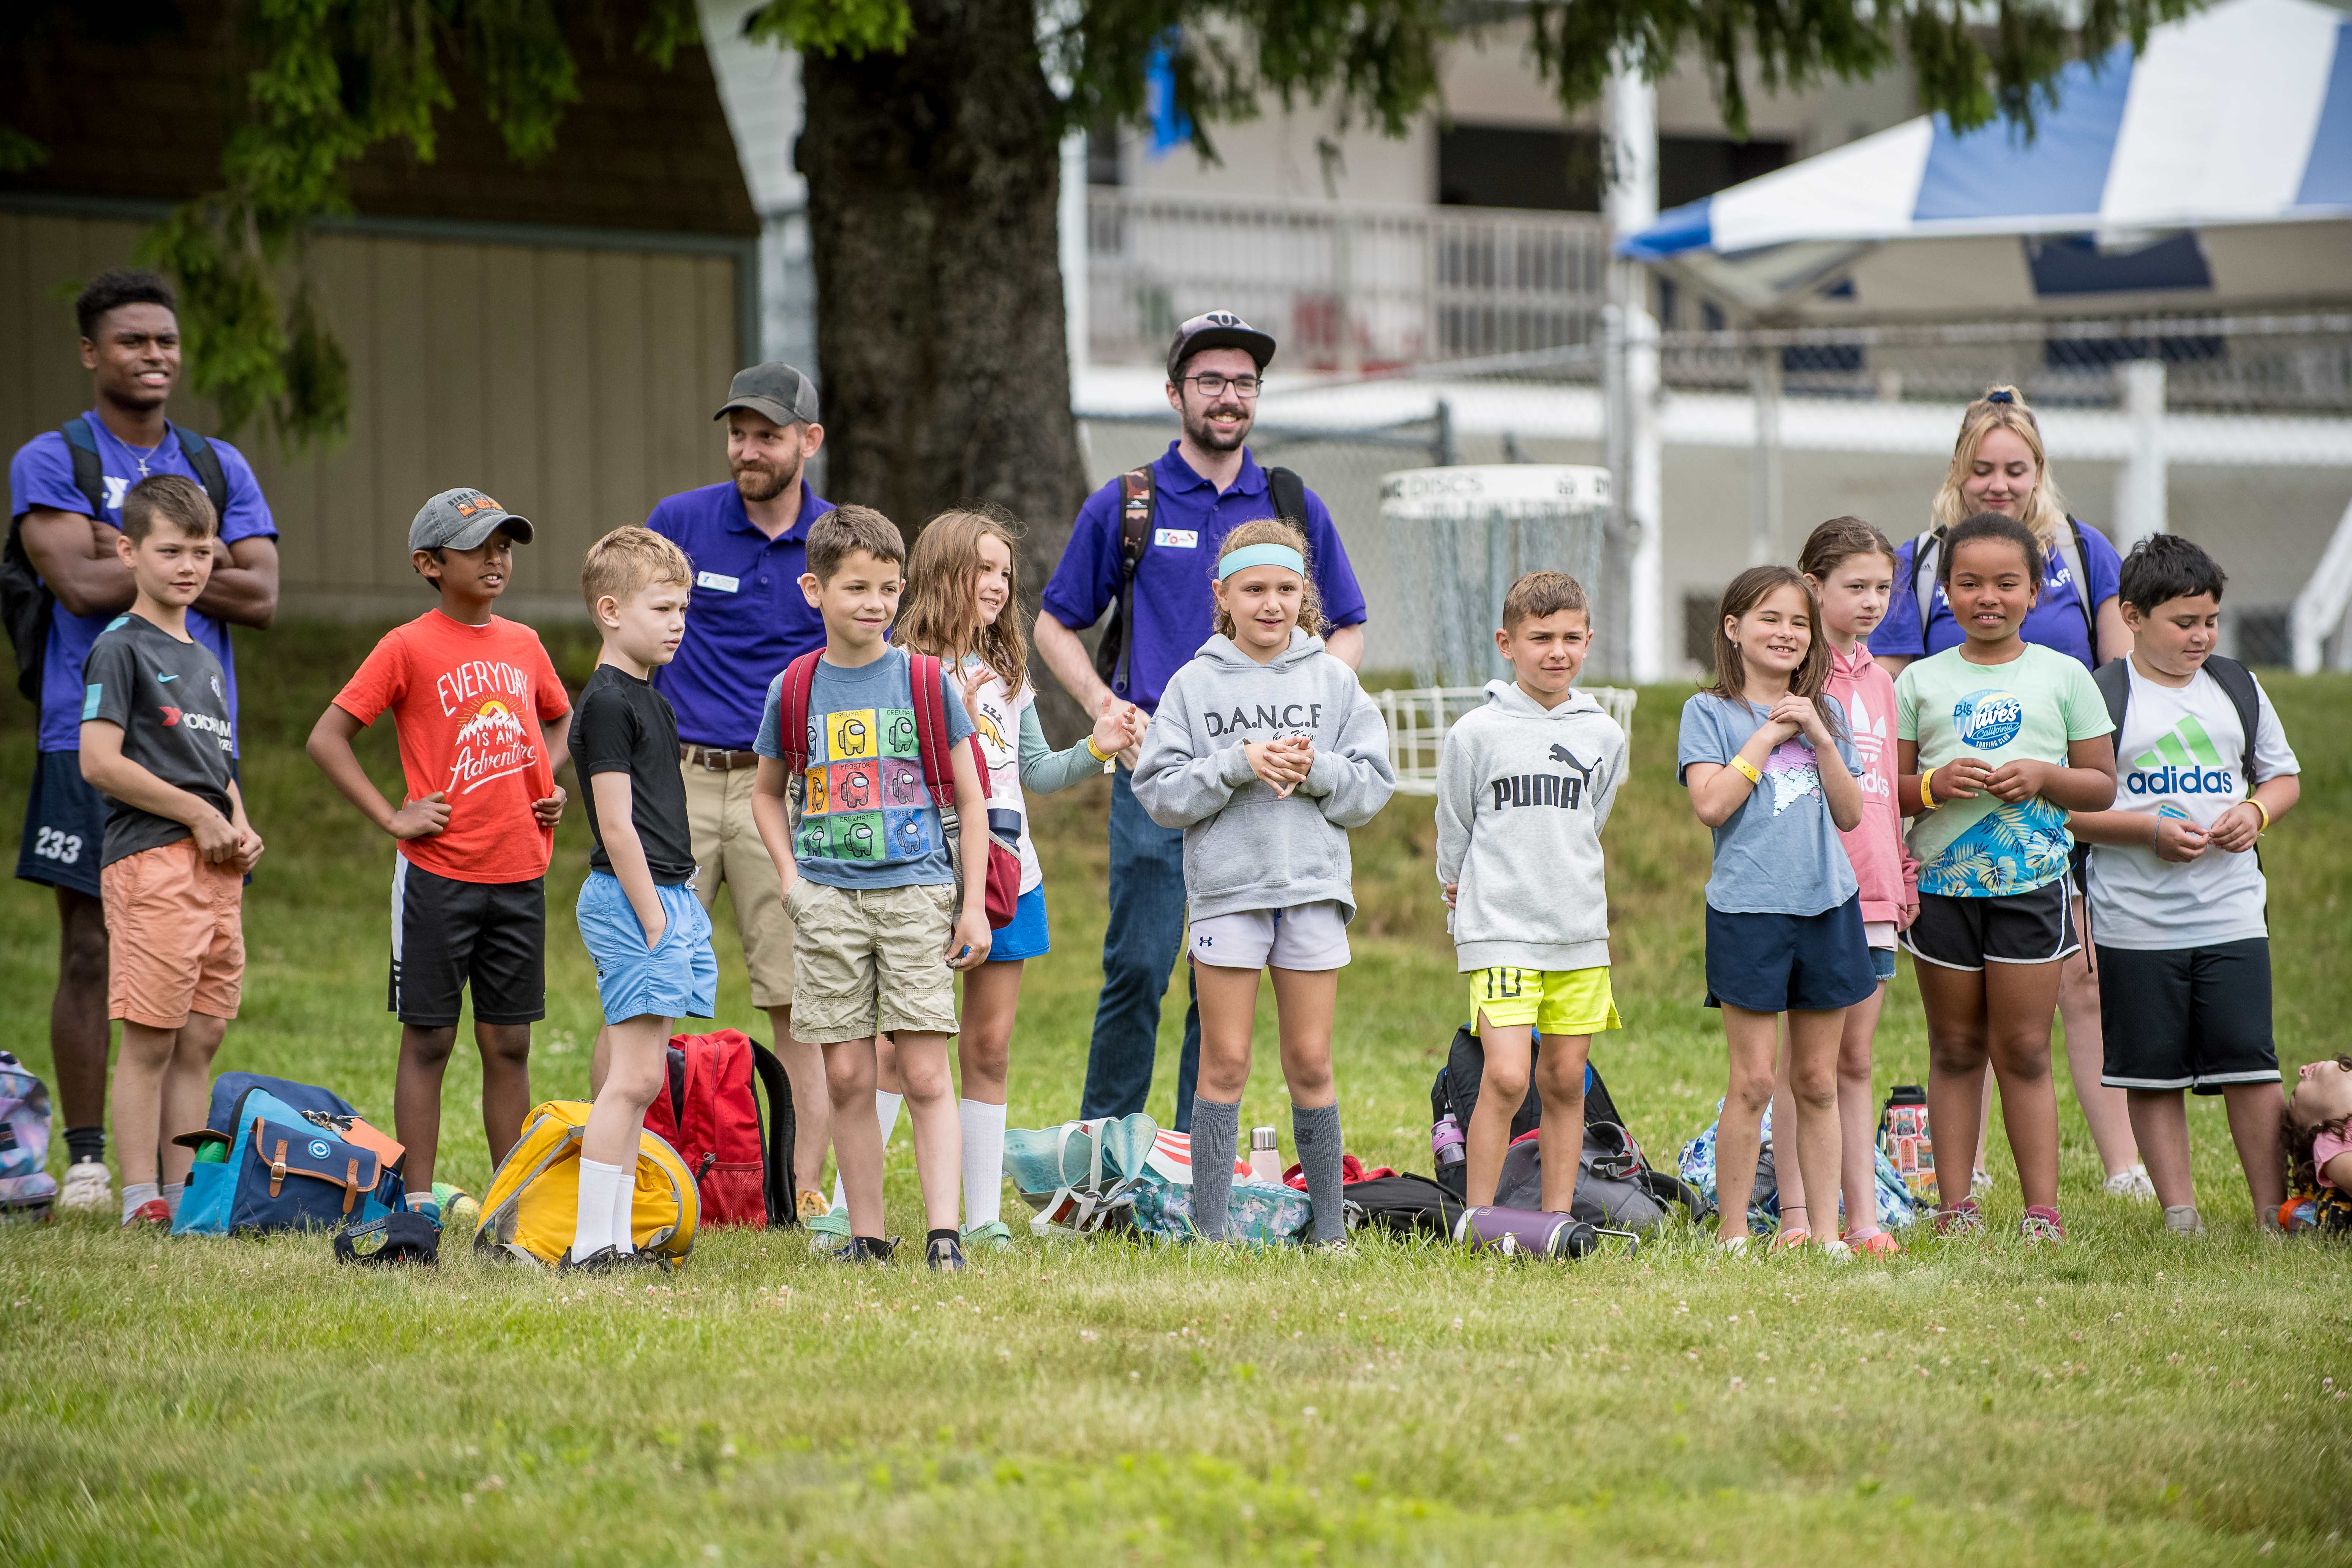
[638, 914]
[156, 741]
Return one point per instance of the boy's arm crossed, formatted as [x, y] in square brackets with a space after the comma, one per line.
[329, 747]
[109, 772]
[616, 799]
[969, 941]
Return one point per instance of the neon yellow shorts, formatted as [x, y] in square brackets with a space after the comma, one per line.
[1556, 1001]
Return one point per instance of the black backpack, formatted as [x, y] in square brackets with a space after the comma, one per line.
[1138, 504]
[26, 602]
[2236, 681]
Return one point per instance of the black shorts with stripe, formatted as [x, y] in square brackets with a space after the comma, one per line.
[448, 935]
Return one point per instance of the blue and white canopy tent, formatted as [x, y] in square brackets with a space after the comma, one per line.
[2212, 172]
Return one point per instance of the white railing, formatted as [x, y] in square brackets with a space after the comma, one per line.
[1344, 287]
[1418, 720]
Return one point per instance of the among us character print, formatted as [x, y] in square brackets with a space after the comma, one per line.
[1793, 771]
[863, 796]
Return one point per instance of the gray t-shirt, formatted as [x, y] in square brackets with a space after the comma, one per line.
[867, 819]
[170, 700]
[1778, 853]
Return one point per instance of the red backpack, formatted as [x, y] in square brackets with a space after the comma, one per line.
[931, 731]
[743, 1163]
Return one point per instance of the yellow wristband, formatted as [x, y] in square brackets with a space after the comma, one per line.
[1746, 769]
[1927, 791]
[2258, 805]
[1098, 753]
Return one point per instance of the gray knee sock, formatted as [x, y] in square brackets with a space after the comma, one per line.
[1317, 1133]
[1216, 1129]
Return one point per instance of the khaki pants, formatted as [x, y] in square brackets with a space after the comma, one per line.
[726, 849]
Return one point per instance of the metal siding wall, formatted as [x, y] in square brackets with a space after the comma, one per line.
[574, 383]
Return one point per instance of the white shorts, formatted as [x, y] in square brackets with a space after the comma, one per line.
[1305, 936]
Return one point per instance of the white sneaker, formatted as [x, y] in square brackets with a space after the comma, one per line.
[2132, 1183]
[1836, 1251]
[87, 1186]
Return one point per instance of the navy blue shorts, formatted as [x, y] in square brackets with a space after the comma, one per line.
[1774, 963]
[65, 826]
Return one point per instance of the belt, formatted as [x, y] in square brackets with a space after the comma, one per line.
[711, 758]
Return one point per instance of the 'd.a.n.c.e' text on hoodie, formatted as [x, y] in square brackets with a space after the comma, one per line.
[1523, 792]
[1246, 847]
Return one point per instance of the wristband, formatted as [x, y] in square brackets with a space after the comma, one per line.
[2258, 805]
[1098, 752]
[1926, 790]
[1746, 769]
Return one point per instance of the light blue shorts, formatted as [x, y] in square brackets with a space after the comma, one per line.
[1025, 936]
[676, 978]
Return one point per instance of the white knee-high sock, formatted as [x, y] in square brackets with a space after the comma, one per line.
[886, 1111]
[984, 1159]
[625, 1204]
[593, 1231]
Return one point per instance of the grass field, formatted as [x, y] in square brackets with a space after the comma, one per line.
[2118, 1399]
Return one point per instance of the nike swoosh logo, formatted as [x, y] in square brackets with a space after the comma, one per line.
[165, 679]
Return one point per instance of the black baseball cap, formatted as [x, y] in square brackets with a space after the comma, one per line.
[774, 389]
[1218, 330]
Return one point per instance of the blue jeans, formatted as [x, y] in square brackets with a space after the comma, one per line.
[1139, 948]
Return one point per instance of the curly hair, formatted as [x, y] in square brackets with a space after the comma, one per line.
[941, 614]
[1274, 530]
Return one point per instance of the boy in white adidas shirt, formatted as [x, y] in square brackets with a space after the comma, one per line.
[2176, 892]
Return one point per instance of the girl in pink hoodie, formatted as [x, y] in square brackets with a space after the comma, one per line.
[1852, 568]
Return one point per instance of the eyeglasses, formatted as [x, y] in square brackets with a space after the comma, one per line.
[1211, 385]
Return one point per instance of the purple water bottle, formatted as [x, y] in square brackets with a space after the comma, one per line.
[1532, 1233]
[1446, 1146]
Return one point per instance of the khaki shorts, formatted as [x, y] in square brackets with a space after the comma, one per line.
[872, 962]
[726, 849]
[174, 936]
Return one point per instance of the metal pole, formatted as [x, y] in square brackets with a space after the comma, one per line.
[1764, 511]
[2140, 482]
[1635, 466]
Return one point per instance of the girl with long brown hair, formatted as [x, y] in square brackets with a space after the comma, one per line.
[960, 607]
[1769, 759]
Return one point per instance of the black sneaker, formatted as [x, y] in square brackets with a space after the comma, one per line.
[870, 1251]
[945, 1254]
[603, 1261]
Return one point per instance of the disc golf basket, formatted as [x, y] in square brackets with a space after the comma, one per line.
[1458, 538]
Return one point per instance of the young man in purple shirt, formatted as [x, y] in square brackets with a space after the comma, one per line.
[1204, 485]
[130, 344]
[747, 539]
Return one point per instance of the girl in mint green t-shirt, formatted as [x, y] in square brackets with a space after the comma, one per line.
[1997, 740]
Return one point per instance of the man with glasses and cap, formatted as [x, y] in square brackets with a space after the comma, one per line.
[1176, 511]
[747, 539]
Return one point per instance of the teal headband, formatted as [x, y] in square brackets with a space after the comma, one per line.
[1250, 555]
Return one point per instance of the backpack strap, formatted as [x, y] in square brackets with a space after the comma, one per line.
[1288, 493]
[87, 471]
[2071, 548]
[779, 1137]
[207, 464]
[1139, 504]
[792, 711]
[931, 733]
[1922, 574]
[2114, 681]
[2237, 682]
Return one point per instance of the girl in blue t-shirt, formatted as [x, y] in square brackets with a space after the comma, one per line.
[1767, 757]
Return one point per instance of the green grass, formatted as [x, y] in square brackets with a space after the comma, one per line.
[245, 1401]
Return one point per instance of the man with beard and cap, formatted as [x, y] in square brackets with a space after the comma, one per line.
[747, 539]
[1202, 487]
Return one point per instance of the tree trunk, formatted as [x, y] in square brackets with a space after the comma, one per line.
[933, 178]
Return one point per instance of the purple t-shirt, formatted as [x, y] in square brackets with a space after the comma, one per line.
[42, 475]
[1174, 609]
[2055, 622]
[747, 617]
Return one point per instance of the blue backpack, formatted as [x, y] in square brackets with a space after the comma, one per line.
[27, 1189]
[285, 1164]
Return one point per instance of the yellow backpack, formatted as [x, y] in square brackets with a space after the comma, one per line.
[533, 1205]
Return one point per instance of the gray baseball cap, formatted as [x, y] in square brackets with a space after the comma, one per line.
[1218, 330]
[774, 389]
[461, 518]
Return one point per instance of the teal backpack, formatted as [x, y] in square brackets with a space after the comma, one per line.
[274, 1155]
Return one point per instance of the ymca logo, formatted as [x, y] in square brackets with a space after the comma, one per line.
[2185, 762]
[1989, 719]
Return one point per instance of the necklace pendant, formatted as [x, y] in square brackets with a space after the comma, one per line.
[143, 467]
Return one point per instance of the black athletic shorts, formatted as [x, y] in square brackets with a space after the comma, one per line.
[2035, 927]
[65, 825]
[446, 935]
[2187, 1017]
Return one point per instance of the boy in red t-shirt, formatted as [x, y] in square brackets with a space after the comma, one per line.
[468, 693]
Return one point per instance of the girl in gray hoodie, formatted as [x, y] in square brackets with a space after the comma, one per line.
[1266, 750]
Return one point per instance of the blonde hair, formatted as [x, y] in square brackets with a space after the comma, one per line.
[630, 559]
[2001, 408]
[1274, 530]
[941, 614]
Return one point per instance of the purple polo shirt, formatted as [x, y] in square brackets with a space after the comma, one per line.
[747, 618]
[1174, 609]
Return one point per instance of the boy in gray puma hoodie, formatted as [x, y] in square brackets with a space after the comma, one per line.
[1523, 788]
[1266, 750]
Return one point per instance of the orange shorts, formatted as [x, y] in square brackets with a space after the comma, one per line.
[174, 936]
